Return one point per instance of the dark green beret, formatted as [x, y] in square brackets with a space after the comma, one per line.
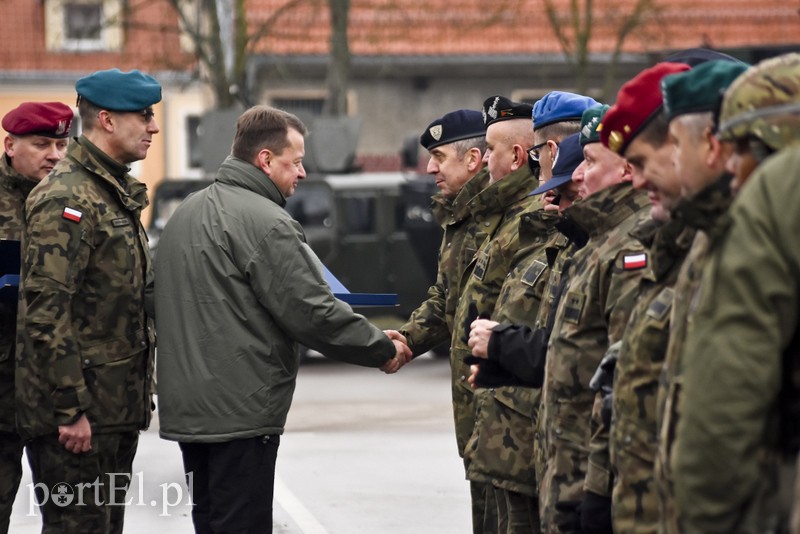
[115, 90]
[590, 120]
[700, 89]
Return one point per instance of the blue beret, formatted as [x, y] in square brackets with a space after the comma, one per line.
[500, 108]
[119, 91]
[568, 157]
[454, 126]
[558, 106]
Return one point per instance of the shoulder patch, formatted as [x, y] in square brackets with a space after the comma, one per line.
[534, 272]
[573, 307]
[631, 262]
[480, 266]
[72, 215]
[661, 305]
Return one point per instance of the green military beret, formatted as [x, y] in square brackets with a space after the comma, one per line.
[119, 91]
[700, 89]
[590, 120]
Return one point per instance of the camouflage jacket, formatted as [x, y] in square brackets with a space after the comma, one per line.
[501, 446]
[700, 213]
[739, 429]
[432, 322]
[591, 315]
[496, 211]
[14, 189]
[632, 438]
[84, 345]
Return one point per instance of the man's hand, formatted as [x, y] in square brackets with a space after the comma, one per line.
[77, 437]
[394, 335]
[402, 356]
[481, 331]
[473, 370]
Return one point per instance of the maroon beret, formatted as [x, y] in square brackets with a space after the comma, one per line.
[638, 101]
[51, 119]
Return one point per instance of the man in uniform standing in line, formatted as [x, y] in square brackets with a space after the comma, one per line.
[85, 350]
[690, 101]
[37, 137]
[738, 437]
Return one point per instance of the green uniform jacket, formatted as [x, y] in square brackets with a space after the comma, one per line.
[591, 315]
[701, 213]
[632, 436]
[432, 322]
[497, 211]
[501, 446]
[14, 189]
[236, 288]
[84, 345]
[741, 365]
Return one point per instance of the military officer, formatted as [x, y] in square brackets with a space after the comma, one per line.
[497, 209]
[737, 438]
[37, 137]
[456, 143]
[690, 101]
[84, 355]
[626, 447]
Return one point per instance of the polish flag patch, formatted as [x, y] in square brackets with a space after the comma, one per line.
[634, 261]
[72, 215]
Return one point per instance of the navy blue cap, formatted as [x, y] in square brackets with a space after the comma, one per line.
[499, 108]
[454, 126]
[568, 157]
[559, 106]
[115, 90]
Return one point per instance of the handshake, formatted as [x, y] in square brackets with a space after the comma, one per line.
[402, 353]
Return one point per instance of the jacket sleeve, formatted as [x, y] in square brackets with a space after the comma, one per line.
[286, 277]
[55, 254]
[427, 326]
[732, 361]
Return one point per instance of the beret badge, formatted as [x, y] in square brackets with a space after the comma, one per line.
[436, 131]
[615, 141]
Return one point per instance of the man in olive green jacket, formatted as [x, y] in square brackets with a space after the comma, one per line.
[237, 287]
[738, 438]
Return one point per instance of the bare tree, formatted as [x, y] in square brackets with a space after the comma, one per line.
[574, 29]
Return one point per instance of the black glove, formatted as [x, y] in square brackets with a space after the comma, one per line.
[596, 514]
[606, 408]
[568, 516]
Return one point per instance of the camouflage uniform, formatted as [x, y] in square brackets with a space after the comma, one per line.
[432, 322]
[590, 316]
[497, 211]
[737, 438]
[84, 344]
[632, 438]
[14, 188]
[700, 213]
[501, 445]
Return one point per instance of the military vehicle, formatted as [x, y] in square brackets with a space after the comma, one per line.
[374, 231]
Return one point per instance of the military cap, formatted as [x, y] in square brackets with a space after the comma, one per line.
[698, 56]
[568, 157]
[454, 126]
[559, 106]
[50, 119]
[500, 108]
[700, 89]
[119, 91]
[638, 102]
[590, 120]
[764, 102]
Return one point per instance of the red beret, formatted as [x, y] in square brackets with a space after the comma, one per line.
[51, 119]
[637, 102]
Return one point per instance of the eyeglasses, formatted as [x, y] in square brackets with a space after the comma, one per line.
[533, 151]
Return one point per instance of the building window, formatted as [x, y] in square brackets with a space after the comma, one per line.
[83, 25]
[306, 103]
[194, 150]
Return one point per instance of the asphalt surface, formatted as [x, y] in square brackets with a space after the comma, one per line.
[363, 453]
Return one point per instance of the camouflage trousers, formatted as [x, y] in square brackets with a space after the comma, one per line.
[81, 493]
[635, 501]
[484, 509]
[11, 446]
[516, 513]
[561, 486]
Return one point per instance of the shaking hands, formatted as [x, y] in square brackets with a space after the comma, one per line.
[402, 352]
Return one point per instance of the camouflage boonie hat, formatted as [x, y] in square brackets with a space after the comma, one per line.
[764, 102]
